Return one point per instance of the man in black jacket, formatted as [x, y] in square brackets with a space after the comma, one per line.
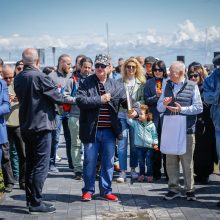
[98, 98]
[37, 94]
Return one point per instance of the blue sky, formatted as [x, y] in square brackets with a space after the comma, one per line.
[162, 28]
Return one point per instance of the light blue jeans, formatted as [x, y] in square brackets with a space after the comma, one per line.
[104, 146]
[123, 146]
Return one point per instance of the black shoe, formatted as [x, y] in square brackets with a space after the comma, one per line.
[171, 195]
[9, 188]
[201, 180]
[41, 209]
[190, 196]
[78, 176]
[22, 186]
[48, 204]
[156, 178]
[71, 166]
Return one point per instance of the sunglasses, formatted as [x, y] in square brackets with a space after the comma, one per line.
[130, 67]
[195, 75]
[19, 68]
[97, 65]
[156, 69]
[6, 78]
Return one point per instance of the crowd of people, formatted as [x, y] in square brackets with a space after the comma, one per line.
[104, 111]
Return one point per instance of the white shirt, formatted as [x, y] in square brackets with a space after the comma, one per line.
[193, 109]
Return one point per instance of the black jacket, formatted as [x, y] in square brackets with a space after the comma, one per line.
[89, 101]
[37, 94]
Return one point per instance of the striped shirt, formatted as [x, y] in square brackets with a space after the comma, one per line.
[104, 115]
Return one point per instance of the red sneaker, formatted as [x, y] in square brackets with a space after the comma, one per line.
[86, 196]
[111, 197]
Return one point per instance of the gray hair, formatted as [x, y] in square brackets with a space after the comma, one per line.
[178, 66]
[30, 56]
[7, 69]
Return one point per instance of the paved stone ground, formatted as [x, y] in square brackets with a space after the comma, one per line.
[137, 201]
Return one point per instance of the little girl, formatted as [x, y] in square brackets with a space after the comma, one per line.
[145, 140]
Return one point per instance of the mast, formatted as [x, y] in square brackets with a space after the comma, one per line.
[107, 38]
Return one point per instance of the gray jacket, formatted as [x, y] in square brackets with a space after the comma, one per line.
[71, 88]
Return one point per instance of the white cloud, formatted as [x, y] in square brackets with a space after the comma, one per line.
[187, 38]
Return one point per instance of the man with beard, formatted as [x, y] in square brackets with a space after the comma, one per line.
[74, 112]
[60, 77]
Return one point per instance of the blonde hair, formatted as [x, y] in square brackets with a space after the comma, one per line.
[139, 73]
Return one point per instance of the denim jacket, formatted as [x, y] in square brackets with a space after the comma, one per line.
[145, 134]
[4, 109]
[211, 95]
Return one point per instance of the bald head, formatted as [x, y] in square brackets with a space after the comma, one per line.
[177, 71]
[8, 74]
[30, 57]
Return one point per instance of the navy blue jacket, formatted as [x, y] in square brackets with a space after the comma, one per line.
[89, 101]
[150, 98]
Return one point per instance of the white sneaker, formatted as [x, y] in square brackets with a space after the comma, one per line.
[58, 158]
[121, 178]
[134, 174]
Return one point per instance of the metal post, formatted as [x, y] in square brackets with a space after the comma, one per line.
[107, 38]
[53, 51]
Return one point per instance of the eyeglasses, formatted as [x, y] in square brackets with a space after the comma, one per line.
[130, 67]
[6, 78]
[160, 70]
[97, 65]
[195, 75]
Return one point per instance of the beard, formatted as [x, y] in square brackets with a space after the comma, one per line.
[65, 70]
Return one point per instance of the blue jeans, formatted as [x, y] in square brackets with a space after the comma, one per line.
[123, 146]
[105, 147]
[145, 154]
[55, 139]
[217, 137]
[0, 155]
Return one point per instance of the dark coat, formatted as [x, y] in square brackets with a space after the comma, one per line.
[37, 94]
[89, 101]
[205, 148]
[151, 99]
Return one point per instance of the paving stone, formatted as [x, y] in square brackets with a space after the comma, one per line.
[65, 193]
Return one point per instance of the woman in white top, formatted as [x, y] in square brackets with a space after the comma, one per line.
[134, 79]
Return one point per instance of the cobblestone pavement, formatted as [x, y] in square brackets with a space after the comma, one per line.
[137, 201]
